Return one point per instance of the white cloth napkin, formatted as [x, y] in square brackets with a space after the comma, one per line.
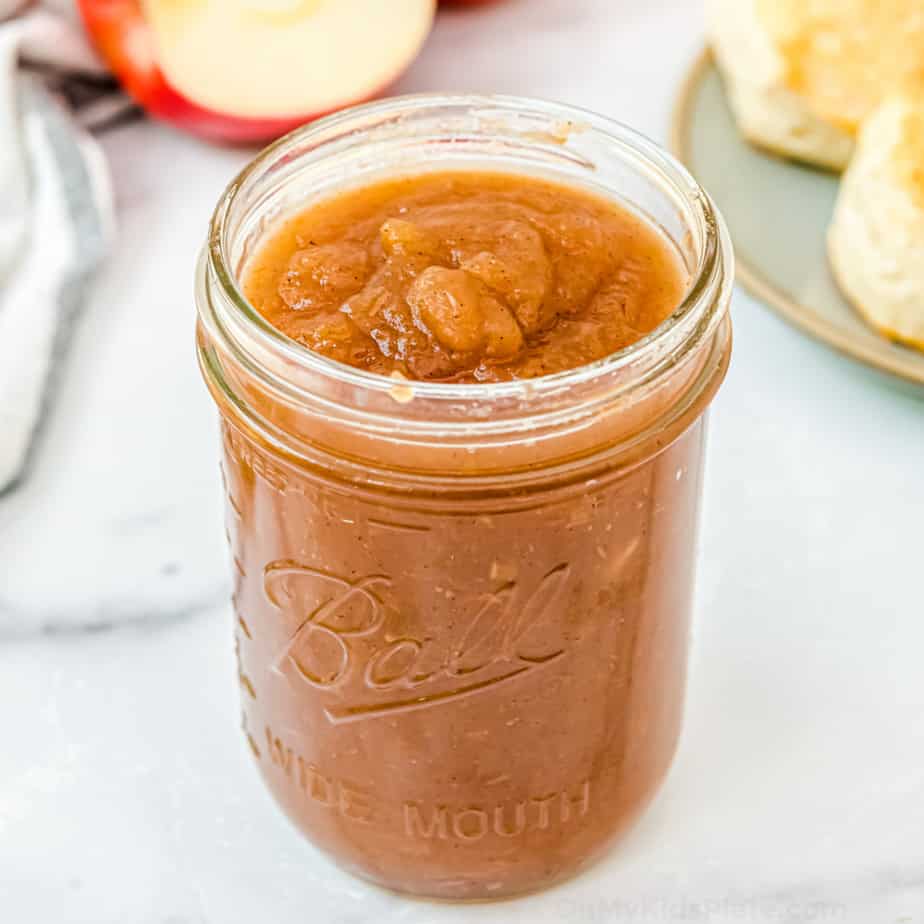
[56, 214]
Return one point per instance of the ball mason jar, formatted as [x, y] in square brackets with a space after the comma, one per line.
[462, 610]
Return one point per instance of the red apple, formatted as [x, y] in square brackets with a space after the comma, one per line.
[250, 70]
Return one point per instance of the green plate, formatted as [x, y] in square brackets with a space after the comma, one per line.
[777, 212]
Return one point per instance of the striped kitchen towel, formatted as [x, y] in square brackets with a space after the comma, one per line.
[56, 215]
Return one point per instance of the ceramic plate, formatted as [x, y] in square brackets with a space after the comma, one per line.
[778, 212]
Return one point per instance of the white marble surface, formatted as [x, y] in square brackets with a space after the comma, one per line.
[126, 794]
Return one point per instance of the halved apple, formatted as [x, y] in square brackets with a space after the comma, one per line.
[250, 70]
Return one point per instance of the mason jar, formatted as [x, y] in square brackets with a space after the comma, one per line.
[462, 609]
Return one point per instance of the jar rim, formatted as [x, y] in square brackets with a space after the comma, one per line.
[700, 308]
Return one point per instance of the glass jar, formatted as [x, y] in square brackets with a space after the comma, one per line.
[462, 610]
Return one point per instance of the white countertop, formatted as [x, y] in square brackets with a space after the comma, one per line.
[126, 793]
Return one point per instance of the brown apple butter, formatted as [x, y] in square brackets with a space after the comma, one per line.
[462, 521]
[466, 277]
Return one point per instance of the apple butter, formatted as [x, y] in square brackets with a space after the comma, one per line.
[463, 414]
[466, 277]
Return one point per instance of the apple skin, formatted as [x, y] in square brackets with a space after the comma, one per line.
[124, 39]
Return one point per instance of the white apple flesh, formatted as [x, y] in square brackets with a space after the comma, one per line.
[278, 59]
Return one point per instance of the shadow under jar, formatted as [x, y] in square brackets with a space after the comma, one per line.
[462, 610]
